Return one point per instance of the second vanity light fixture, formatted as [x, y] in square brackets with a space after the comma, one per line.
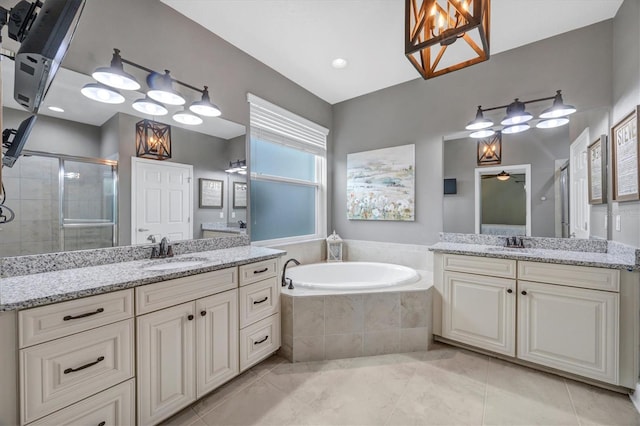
[160, 94]
[239, 166]
[517, 117]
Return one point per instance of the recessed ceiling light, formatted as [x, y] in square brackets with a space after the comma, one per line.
[56, 109]
[339, 63]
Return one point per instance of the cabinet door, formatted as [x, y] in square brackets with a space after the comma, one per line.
[166, 362]
[479, 311]
[571, 329]
[217, 343]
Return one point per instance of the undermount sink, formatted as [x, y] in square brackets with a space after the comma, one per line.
[165, 264]
[509, 249]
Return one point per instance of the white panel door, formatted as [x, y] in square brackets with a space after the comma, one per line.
[571, 329]
[161, 200]
[217, 344]
[579, 212]
[479, 311]
[166, 362]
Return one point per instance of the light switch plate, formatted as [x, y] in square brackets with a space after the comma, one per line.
[233, 215]
[617, 222]
[221, 215]
[606, 220]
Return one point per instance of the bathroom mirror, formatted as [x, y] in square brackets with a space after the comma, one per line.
[76, 150]
[547, 151]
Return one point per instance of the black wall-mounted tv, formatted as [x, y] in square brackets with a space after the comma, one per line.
[42, 50]
[450, 186]
[14, 146]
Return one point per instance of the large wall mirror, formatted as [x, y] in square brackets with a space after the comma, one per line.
[72, 188]
[558, 190]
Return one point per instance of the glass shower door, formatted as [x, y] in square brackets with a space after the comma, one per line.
[88, 209]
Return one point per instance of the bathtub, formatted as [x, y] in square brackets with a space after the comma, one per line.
[352, 309]
[340, 276]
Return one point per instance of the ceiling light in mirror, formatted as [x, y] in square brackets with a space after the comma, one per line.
[186, 117]
[149, 106]
[484, 133]
[204, 106]
[101, 93]
[552, 122]
[516, 128]
[56, 109]
[161, 89]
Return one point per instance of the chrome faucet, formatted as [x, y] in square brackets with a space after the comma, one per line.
[164, 244]
[283, 282]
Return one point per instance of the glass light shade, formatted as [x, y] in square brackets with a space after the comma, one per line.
[558, 109]
[101, 93]
[503, 176]
[484, 133]
[114, 77]
[166, 97]
[516, 114]
[149, 106]
[185, 117]
[552, 122]
[479, 122]
[516, 128]
[204, 106]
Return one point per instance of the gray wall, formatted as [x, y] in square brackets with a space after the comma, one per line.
[422, 112]
[537, 147]
[626, 96]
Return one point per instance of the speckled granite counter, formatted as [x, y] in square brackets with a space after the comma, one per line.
[26, 291]
[597, 253]
[221, 227]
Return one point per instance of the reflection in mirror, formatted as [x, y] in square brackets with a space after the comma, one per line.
[547, 151]
[72, 189]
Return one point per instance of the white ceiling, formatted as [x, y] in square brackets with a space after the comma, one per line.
[300, 38]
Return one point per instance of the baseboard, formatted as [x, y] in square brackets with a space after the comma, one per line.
[635, 397]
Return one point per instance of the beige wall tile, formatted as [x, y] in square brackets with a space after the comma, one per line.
[308, 316]
[308, 348]
[344, 314]
[381, 342]
[338, 346]
[415, 309]
[381, 311]
[414, 339]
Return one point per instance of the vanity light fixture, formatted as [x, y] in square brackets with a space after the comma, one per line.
[238, 166]
[153, 140]
[161, 91]
[517, 117]
[56, 108]
[442, 36]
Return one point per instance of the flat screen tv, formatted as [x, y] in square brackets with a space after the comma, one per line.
[42, 50]
[14, 146]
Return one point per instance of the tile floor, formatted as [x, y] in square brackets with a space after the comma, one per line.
[444, 386]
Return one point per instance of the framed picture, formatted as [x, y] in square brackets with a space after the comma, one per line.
[625, 158]
[596, 167]
[211, 191]
[239, 195]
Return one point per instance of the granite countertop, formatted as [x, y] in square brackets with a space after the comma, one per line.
[611, 260]
[221, 227]
[27, 291]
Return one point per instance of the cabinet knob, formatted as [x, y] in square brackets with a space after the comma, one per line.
[524, 293]
[203, 313]
[509, 291]
[190, 317]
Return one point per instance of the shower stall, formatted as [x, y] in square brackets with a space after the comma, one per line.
[61, 203]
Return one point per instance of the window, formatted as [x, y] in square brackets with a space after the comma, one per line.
[288, 175]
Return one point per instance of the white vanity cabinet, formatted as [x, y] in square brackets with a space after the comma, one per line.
[185, 351]
[580, 320]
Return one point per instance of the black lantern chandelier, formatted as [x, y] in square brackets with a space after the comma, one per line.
[153, 140]
[517, 117]
[160, 93]
[442, 36]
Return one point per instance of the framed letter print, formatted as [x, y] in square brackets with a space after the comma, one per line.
[626, 160]
[596, 171]
[211, 193]
[239, 195]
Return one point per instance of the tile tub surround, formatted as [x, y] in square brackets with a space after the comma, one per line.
[26, 291]
[39, 263]
[597, 253]
[319, 327]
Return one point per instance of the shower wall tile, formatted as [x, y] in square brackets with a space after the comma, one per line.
[37, 189]
[36, 230]
[10, 233]
[37, 210]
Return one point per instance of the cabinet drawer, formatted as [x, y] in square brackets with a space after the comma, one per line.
[258, 301]
[258, 271]
[570, 275]
[505, 268]
[50, 322]
[161, 295]
[259, 340]
[113, 407]
[56, 374]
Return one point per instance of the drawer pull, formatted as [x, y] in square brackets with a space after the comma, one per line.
[72, 370]
[257, 302]
[88, 314]
[261, 271]
[102, 423]
[257, 342]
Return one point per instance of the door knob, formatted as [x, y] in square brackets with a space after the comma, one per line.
[142, 229]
